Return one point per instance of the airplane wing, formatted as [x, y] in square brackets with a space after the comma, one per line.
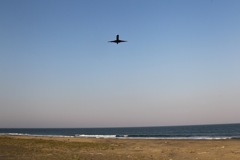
[122, 41]
[113, 41]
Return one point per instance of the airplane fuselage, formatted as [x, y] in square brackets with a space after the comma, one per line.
[117, 40]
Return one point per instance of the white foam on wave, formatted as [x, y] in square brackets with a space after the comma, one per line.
[32, 135]
[196, 138]
[129, 137]
[15, 134]
[95, 136]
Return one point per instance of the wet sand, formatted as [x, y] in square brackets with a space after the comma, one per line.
[55, 148]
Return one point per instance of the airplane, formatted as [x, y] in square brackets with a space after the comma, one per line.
[117, 40]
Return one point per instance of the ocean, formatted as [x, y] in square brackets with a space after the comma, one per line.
[220, 131]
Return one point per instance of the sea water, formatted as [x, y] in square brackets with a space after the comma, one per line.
[220, 131]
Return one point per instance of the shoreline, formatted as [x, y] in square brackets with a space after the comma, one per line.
[32, 147]
[124, 136]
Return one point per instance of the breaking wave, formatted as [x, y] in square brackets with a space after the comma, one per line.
[32, 135]
[155, 137]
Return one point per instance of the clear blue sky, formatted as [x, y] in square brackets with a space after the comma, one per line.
[180, 66]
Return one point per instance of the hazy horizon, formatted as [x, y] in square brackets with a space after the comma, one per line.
[180, 65]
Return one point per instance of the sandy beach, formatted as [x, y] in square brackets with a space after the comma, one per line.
[38, 148]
